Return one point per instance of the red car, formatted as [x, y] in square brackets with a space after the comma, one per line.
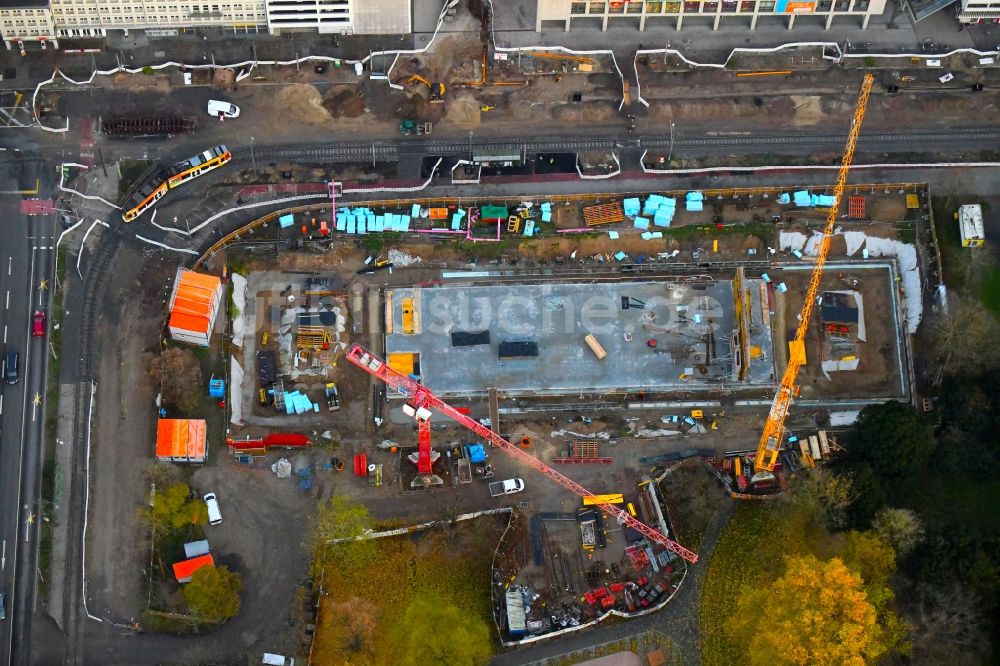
[38, 324]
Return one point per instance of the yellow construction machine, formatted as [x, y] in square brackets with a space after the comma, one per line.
[437, 89]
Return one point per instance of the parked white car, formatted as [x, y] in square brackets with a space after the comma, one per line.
[214, 514]
[227, 110]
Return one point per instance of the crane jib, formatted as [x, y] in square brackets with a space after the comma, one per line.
[769, 447]
[377, 367]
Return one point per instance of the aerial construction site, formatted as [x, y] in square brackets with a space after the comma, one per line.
[555, 360]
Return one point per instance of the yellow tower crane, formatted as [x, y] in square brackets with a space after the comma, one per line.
[771, 438]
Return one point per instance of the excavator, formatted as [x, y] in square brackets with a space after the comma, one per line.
[772, 438]
[437, 89]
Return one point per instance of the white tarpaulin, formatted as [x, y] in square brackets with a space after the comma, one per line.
[906, 259]
[812, 245]
[854, 240]
[791, 240]
[240, 303]
[235, 392]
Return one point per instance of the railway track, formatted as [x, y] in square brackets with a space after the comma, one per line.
[93, 284]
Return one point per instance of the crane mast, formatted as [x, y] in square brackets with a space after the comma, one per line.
[774, 429]
[419, 396]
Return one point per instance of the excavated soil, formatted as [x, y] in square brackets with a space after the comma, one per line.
[345, 103]
[301, 102]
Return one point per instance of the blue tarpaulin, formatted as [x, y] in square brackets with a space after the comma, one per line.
[824, 200]
[783, 198]
[664, 216]
[286, 221]
[631, 206]
[641, 223]
[802, 199]
[415, 211]
[477, 454]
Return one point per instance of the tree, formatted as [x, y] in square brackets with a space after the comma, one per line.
[888, 448]
[817, 613]
[893, 439]
[900, 528]
[822, 496]
[213, 594]
[346, 633]
[949, 627]
[963, 338]
[870, 493]
[177, 374]
[421, 638]
[174, 508]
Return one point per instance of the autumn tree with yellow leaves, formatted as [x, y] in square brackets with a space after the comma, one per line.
[817, 613]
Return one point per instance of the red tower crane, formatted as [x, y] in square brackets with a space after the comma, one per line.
[422, 400]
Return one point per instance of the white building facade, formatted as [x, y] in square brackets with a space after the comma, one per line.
[26, 22]
[979, 11]
[341, 17]
[597, 14]
[46, 20]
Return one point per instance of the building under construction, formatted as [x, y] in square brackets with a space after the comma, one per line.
[666, 334]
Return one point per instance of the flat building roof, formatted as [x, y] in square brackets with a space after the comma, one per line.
[656, 334]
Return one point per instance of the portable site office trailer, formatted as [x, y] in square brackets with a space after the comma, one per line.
[970, 225]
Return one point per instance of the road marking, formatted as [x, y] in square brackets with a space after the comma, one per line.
[10, 264]
[20, 463]
[5, 333]
[1, 405]
[8, 300]
[35, 402]
[3, 558]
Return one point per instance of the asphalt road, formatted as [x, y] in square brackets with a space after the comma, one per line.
[26, 258]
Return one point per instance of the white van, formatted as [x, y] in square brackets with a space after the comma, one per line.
[214, 515]
[277, 660]
[216, 107]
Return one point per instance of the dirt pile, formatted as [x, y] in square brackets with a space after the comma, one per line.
[345, 103]
[301, 102]
[464, 112]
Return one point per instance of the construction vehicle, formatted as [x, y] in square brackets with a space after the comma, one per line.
[437, 89]
[413, 128]
[420, 402]
[486, 107]
[332, 397]
[771, 439]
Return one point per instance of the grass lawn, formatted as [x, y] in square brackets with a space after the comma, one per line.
[375, 584]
